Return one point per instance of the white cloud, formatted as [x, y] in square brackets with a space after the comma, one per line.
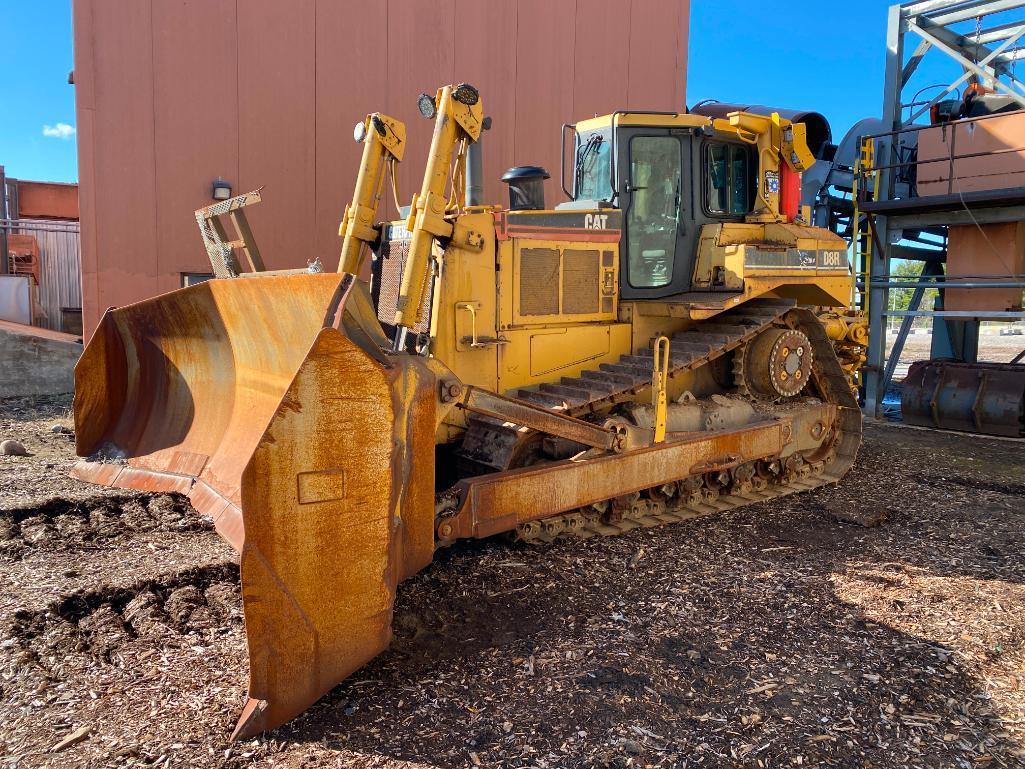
[59, 131]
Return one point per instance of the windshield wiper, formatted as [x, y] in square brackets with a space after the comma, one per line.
[594, 141]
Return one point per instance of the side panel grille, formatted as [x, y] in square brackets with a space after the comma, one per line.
[580, 282]
[387, 275]
[539, 281]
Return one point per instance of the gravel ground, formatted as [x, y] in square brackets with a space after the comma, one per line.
[772, 636]
[993, 347]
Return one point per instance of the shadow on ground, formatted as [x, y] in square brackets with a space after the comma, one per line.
[773, 634]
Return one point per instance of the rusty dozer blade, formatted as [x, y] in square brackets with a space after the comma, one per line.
[270, 402]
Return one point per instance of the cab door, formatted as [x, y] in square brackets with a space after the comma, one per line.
[655, 190]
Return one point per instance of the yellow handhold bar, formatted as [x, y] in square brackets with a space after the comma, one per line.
[659, 382]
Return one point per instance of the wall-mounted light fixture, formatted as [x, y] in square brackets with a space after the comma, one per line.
[222, 189]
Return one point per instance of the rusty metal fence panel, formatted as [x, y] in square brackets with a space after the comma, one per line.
[59, 269]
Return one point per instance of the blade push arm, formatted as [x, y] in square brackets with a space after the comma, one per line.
[458, 116]
[384, 141]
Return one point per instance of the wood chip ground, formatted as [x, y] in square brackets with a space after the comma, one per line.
[779, 635]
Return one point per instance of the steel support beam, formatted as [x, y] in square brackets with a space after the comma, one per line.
[974, 216]
[991, 35]
[912, 254]
[952, 284]
[970, 67]
[4, 215]
[915, 60]
[879, 296]
[969, 46]
[930, 269]
[961, 314]
[971, 10]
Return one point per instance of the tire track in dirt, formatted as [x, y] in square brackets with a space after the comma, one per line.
[63, 524]
[974, 484]
[99, 623]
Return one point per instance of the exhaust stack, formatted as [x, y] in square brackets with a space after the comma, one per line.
[475, 168]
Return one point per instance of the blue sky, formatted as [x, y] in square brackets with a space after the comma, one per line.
[740, 50]
[37, 60]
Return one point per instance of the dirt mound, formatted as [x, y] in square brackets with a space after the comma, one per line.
[65, 524]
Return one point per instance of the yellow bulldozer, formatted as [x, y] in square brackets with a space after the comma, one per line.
[644, 353]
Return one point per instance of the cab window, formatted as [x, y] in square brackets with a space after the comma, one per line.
[653, 219]
[729, 179]
[593, 167]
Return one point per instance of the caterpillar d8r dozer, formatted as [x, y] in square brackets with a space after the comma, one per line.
[642, 354]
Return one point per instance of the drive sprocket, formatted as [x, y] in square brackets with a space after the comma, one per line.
[775, 364]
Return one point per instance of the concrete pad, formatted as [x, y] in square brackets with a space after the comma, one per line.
[36, 361]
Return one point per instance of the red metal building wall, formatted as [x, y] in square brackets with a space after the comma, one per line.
[47, 200]
[174, 93]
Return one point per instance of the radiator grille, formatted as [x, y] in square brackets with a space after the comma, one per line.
[391, 258]
[579, 282]
[539, 281]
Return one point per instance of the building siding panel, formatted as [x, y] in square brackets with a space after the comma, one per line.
[486, 57]
[421, 40]
[347, 91]
[545, 74]
[601, 58]
[657, 40]
[122, 162]
[81, 19]
[59, 268]
[173, 93]
[195, 123]
[277, 126]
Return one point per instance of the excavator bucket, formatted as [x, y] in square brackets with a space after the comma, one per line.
[270, 402]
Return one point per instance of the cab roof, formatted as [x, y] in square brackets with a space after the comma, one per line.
[661, 119]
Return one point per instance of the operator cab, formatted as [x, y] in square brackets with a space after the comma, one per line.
[669, 175]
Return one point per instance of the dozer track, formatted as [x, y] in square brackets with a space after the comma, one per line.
[616, 382]
[695, 497]
[491, 443]
[648, 513]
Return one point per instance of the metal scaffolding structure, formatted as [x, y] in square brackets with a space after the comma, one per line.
[901, 224]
